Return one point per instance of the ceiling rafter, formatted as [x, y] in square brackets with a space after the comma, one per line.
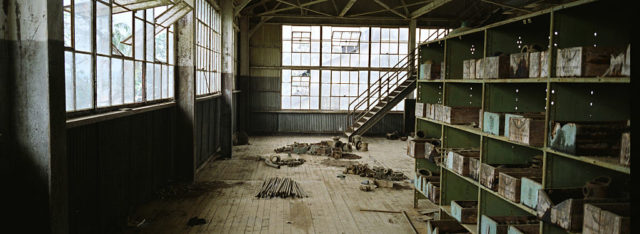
[304, 8]
[395, 8]
[347, 7]
[241, 6]
[506, 6]
[382, 4]
[428, 8]
[335, 7]
[404, 5]
[290, 8]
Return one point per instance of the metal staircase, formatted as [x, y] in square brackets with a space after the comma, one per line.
[381, 96]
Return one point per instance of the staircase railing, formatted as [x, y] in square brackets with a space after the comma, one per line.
[382, 87]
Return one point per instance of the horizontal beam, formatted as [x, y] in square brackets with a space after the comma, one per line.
[290, 8]
[395, 8]
[389, 9]
[360, 21]
[506, 6]
[304, 8]
[239, 8]
[428, 8]
[347, 7]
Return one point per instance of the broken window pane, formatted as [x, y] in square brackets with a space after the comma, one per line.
[122, 34]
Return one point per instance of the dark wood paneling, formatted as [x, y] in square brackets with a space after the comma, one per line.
[116, 165]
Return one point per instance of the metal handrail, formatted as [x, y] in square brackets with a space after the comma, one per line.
[406, 64]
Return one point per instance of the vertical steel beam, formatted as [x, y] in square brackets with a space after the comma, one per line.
[228, 78]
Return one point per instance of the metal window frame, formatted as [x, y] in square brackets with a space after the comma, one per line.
[348, 41]
[211, 46]
[94, 56]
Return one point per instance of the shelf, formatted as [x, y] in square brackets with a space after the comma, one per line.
[605, 162]
[477, 131]
[617, 80]
[473, 228]
[521, 206]
[476, 183]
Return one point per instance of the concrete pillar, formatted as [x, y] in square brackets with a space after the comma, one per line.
[244, 77]
[228, 78]
[31, 43]
[186, 99]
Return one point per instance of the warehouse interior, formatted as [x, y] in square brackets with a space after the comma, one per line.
[315, 116]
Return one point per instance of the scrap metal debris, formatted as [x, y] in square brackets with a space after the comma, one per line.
[377, 172]
[335, 148]
[275, 160]
[281, 187]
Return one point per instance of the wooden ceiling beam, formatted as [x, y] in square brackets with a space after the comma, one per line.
[506, 6]
[239, 8]
[382, 4]
[428, 8]
[304, 8]
[347, 7]
[291, 8]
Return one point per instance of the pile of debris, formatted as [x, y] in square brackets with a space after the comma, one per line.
[276, 161]
[335, 148]
[281, 187]
[376, 172]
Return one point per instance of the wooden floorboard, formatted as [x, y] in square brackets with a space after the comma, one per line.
[333, 205]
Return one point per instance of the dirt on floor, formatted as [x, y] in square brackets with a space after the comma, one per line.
[337, 162]
[187, 190]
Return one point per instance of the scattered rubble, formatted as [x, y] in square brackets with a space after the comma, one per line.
[377, 172]
[336, 148]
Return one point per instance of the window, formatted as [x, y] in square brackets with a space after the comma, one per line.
[345, 46]
[300, 89]
[300, 45]
[388, 46]
[208, 45]
[345, 68]
[345, 42]
[115, 58]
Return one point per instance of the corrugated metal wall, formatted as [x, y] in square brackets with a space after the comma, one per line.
[207, 130]
[115, 165]
[263, 96]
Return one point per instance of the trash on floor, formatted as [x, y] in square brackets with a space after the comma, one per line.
[196, 221]
[281, 187]
[377, 172]
[367, 187]
[336, 148]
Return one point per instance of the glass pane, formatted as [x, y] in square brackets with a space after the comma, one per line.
[103, 81]
[67, 29]
[165, 86]
[84, 82]
[161, 46]
[149, 81]
[138, 82]
[149, 41]
[171, 49]
[122, 32]
[157, 82]
[68, 80]
[139, 39]
[103, 18]
[117, 84]
[82, 26]
[286, 102]
[171, 81]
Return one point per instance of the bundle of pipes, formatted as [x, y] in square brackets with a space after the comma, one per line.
[281, 187]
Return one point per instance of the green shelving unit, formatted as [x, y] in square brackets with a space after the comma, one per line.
[560, 99]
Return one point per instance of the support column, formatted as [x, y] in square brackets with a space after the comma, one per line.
[185, 160]
[228, 79]
[31, 39]
[412, 39]
[244, 77]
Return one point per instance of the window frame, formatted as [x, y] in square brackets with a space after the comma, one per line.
[71, 49]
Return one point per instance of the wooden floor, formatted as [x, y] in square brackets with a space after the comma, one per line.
[230, 205]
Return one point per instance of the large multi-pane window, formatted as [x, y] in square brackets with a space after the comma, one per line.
[345, 46]
[300, 45]
[342, 63]
[208, 45]
[388, 46]
[115, 57]
[300, 89]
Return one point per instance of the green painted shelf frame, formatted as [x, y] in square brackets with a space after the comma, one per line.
[560, 98]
